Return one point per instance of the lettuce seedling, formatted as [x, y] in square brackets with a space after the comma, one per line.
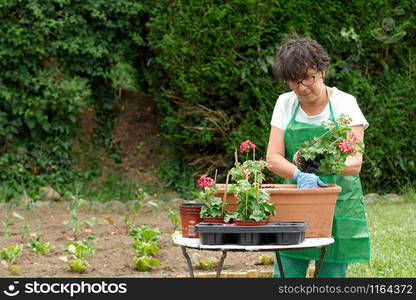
[79, 251]
[145, 233]
[145, 263]
[204, 263]
[264, 260]
[37, 246]
[145, 246]
[8, 255]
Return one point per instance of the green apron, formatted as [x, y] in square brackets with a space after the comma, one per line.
[349, 229]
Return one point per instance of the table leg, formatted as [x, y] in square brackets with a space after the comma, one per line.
[320, 262]
[188, 262]
[223, 256]
[279, 263]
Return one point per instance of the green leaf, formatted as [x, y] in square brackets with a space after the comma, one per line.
[18, 216]
[145, 263]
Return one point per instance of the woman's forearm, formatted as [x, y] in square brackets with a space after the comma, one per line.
[352, 165]
[280, 166]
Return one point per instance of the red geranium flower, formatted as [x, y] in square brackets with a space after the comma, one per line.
[205, 181]
[245, 145]
[346, 146]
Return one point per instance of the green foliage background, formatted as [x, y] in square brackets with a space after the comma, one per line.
[211, 75]
[208, 66]
[59, 58]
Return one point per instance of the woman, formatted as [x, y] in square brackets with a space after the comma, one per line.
[303, 63]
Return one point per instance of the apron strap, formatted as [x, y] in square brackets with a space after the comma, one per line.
[294, 114]
[331, 116]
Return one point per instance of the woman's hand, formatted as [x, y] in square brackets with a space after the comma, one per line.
[307, 180]
[279, 165]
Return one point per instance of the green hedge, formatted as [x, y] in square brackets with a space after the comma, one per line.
[208, 64]
[59, 58]
[211, 75]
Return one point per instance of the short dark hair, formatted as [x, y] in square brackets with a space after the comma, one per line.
[298, 54]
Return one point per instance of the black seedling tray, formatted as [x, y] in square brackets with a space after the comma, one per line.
[277, 233]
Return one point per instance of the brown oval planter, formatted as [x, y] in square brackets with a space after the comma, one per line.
[230, 199]
[314, 206]
[250, 223]
[213, 220]
[190, 216]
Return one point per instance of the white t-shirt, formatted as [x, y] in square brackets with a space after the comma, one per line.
[341, 102]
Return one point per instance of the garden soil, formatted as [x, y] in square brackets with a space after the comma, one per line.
[137, 138]
[114, 254]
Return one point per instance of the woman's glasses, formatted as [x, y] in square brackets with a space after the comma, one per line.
[307, 81]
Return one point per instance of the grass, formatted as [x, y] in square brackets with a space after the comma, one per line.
[392, 226]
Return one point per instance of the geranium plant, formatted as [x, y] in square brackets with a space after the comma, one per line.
[327, 153]
[213, 207]
[252, 201]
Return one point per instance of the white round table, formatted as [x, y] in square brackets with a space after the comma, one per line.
[308, 243]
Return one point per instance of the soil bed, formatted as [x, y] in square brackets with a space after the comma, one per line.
[114, 254]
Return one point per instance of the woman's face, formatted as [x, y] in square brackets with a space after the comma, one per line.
[310, 88]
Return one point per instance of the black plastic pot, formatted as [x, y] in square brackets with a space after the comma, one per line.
[278, 233]
[307, 166]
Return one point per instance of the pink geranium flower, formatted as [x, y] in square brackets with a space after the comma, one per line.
[205, 181]
[245, 145]
[346, 146]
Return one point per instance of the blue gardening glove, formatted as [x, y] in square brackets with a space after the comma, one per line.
[307, 180]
